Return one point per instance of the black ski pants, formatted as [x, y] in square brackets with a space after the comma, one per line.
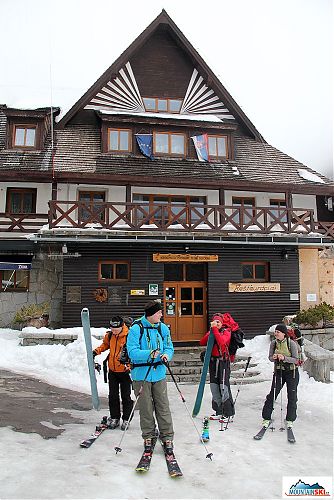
[222, 401]
[281, 377]
[120, 380]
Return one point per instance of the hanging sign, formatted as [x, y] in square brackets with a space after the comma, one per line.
[137, 292]
[254, 287]
[183, 257]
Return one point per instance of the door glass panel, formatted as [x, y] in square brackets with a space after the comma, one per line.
[170, 309]
[170, 293]
[186, 293]
[198, 308]
[195, 272]
[198, 293]
[186, 309]
[173, 272]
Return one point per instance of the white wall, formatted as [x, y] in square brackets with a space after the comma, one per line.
[43, 194]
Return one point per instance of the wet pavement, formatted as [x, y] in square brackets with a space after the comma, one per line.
[30, 405]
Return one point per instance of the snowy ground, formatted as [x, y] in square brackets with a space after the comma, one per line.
[242, 468]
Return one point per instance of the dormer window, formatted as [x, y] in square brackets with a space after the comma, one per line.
[217, 146]
[119, 140]
[24, 136]
[158, 105]
[169, 143]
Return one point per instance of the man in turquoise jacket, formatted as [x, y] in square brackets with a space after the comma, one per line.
[149, 346]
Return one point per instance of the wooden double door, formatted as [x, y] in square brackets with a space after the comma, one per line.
[185, 308]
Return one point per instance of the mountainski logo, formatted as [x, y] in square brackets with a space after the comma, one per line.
[308, 487]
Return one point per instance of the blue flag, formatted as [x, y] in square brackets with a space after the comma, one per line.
[145, 143]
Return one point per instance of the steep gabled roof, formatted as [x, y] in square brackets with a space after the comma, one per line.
[163, 19]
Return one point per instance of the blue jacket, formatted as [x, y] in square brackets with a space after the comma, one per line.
[151, 339]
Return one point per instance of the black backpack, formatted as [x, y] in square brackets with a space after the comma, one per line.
[124, 356]
[236, 342]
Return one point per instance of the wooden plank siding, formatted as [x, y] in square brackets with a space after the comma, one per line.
[255, 312]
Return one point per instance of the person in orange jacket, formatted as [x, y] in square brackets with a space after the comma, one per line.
[118, 374]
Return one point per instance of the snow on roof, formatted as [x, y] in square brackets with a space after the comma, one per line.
[305, 174]
[199, 117]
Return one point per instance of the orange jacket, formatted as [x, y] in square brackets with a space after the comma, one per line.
[114, 343]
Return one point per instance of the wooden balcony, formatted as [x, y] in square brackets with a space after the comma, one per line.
[179, 218]
[184, 218]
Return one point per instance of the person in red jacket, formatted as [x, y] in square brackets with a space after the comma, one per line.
[219, 368]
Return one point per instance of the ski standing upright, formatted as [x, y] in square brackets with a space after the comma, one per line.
[90, 360]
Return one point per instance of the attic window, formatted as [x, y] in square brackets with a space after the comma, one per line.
[24, 136]
[158, 105]
[119, 140]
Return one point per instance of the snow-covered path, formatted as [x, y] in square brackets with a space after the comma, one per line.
[34, 468]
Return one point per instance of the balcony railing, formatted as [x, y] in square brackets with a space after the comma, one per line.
[178, 217]
[141, 216]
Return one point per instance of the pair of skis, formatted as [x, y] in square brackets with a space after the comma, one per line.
[290, 434]
[145, 460]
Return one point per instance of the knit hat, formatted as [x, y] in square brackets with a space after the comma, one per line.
[281, 328]
[116, 322]
[217, 318]
[152, 307]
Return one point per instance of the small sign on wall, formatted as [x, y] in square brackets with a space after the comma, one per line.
[294, 296]
[311, 297]
[153, 289]
[137, 292]
[254, 287]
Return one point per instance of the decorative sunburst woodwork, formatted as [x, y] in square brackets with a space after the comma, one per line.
[200, 99]
[122, 94]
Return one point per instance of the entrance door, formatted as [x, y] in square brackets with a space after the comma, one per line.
[185, 309]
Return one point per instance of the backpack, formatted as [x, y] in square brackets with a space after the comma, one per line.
[295, 335]
[124, 356]
[236, 342]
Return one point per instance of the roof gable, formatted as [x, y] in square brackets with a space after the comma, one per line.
[118, 89]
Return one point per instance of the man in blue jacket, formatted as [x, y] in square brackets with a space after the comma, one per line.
[149, 345]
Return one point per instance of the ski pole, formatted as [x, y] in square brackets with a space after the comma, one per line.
[236, 396]
[223, 401]
[118, 448]
[281, 386]
[209, 455]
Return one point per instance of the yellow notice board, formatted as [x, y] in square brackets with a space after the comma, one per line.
[254, 287]
[137, 292]
[183, 257]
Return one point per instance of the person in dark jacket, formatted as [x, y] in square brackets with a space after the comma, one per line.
[283, 353]
[219, 368]
[119, 374]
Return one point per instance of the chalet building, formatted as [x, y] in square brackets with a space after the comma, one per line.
[156, 185]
